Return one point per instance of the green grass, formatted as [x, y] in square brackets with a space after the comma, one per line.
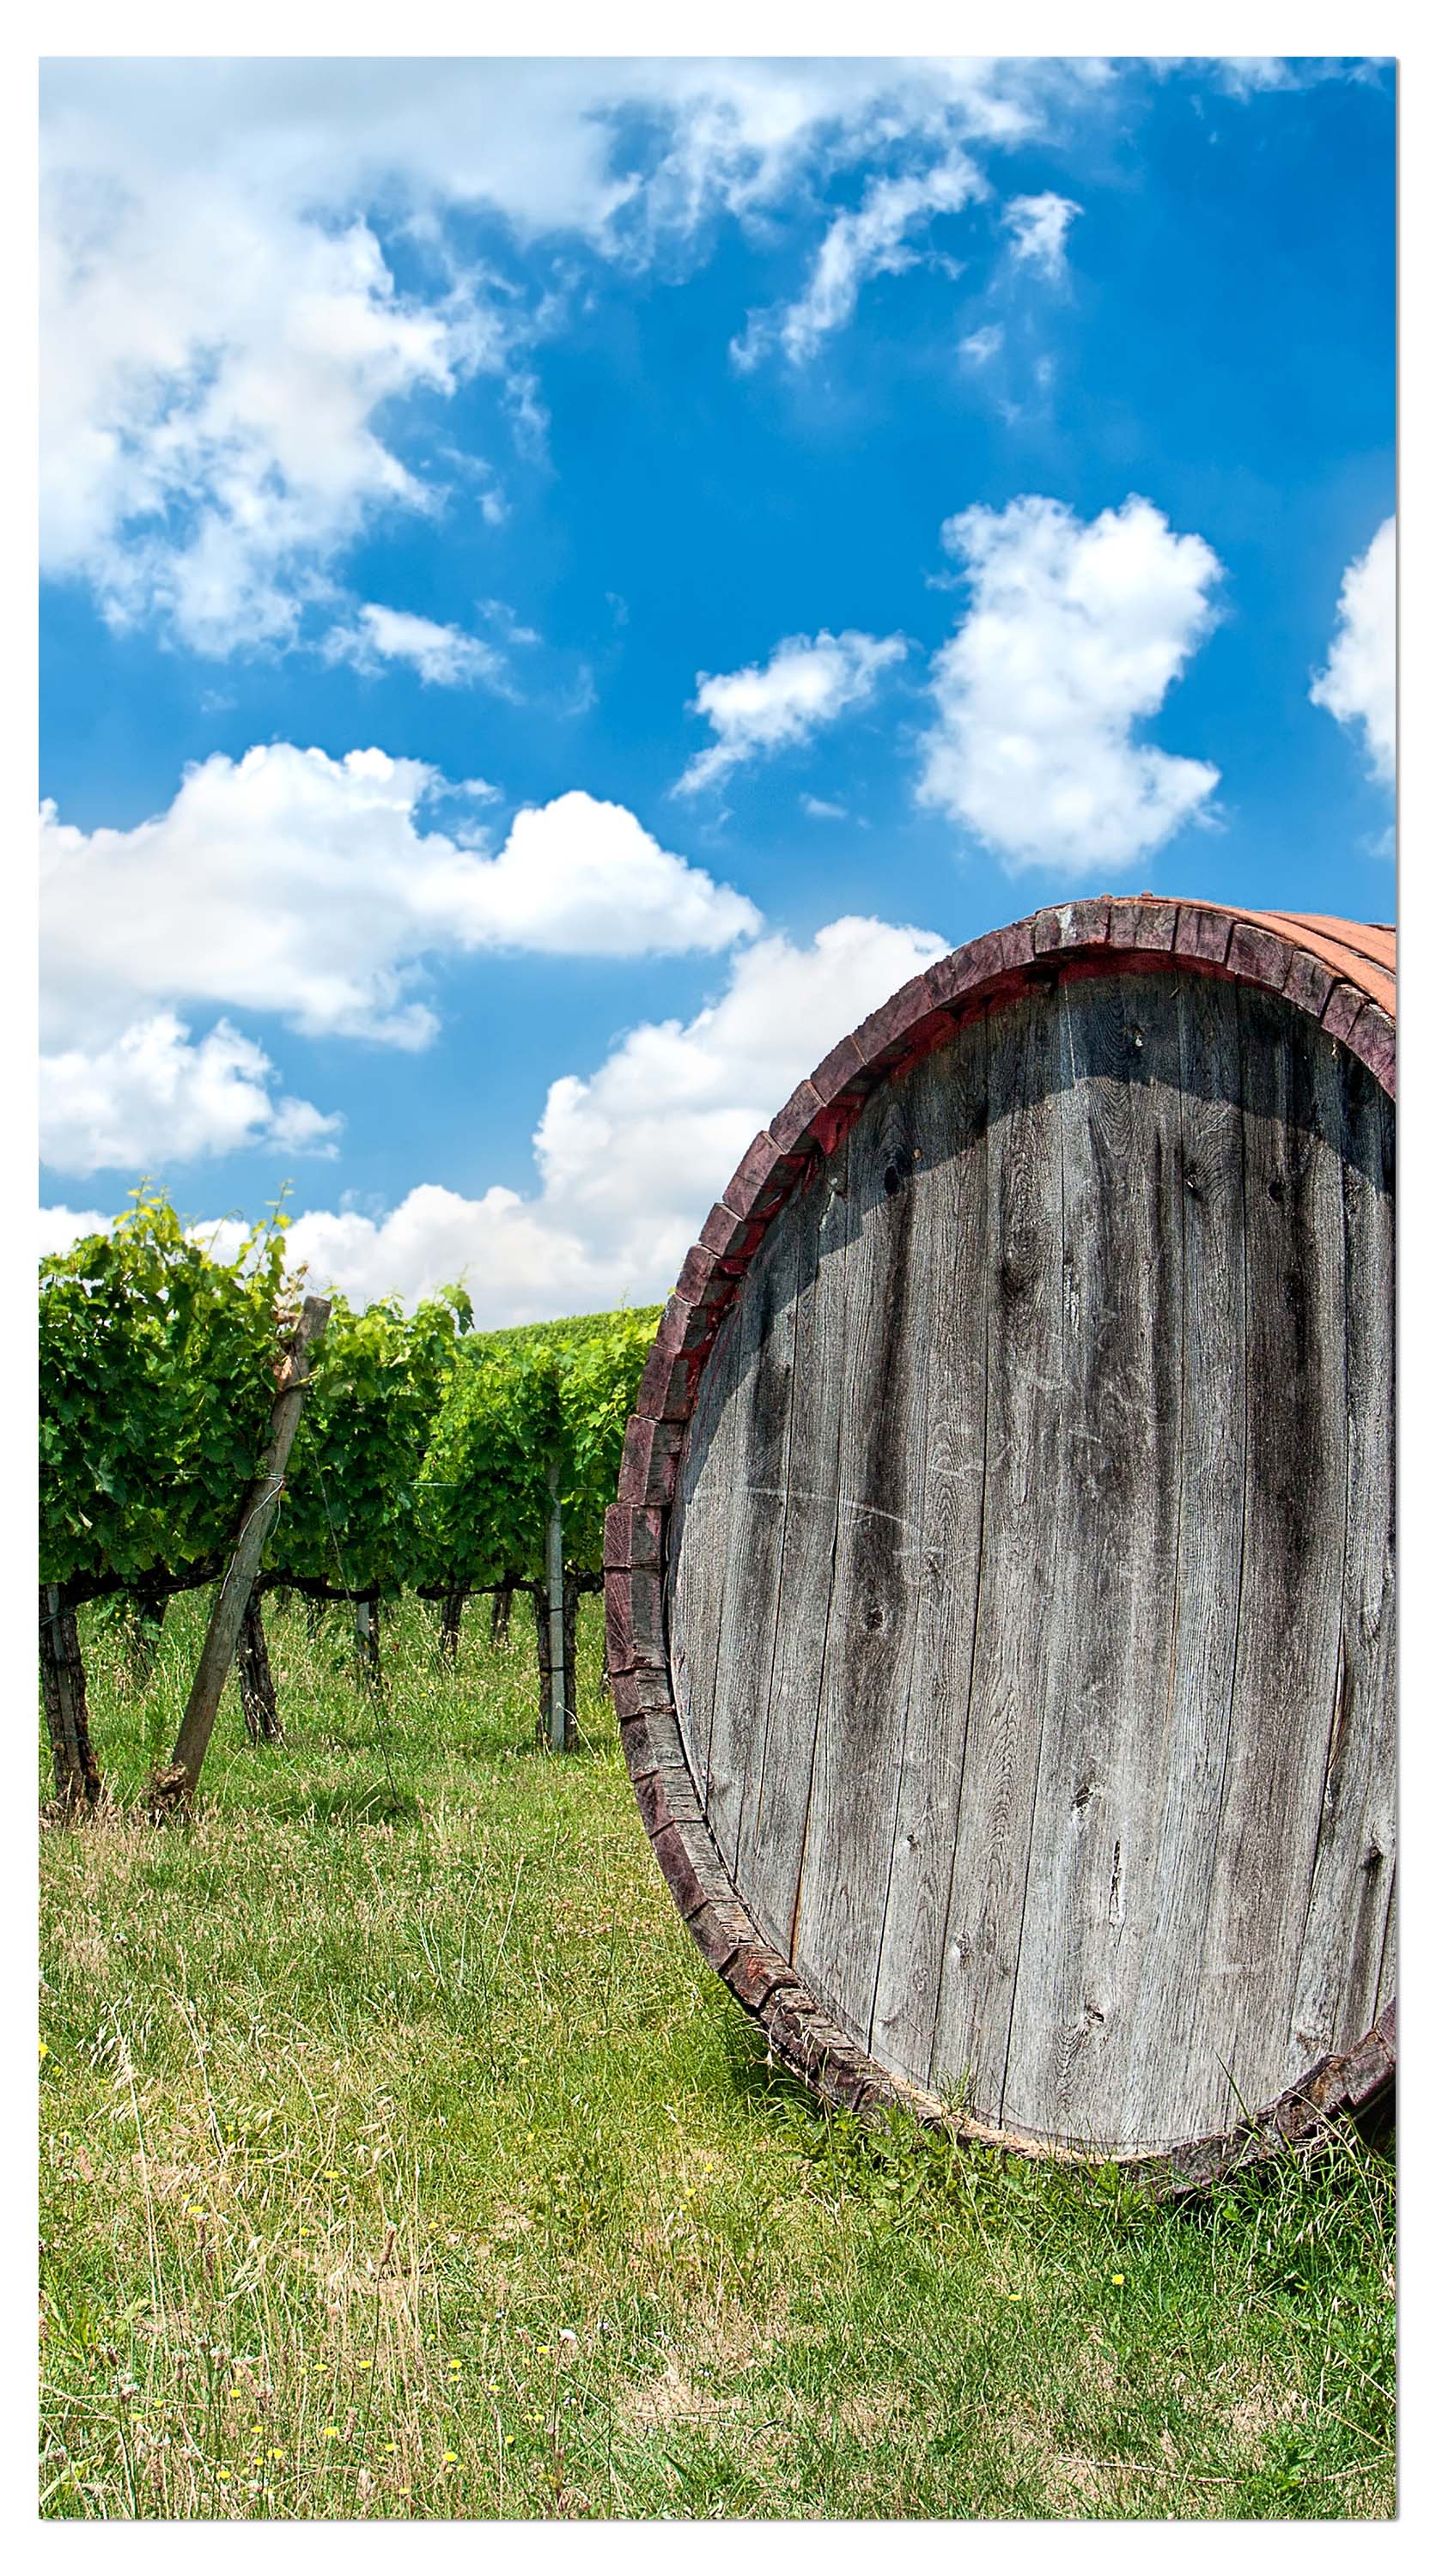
[401, 2158]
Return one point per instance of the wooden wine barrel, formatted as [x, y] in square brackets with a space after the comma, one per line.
[999, 1594]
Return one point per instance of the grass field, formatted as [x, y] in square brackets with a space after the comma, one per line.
[401, 2158]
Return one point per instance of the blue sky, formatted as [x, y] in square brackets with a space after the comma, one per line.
[767, 523]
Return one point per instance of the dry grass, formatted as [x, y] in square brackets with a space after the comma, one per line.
[402, 2159]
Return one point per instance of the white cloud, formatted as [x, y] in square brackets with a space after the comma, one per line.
[442, 655]
[1038, 226]
[230, 365]
[807, 681]
[1244, 75]
[154, 1095]
[869, 241]
[630, 1158]
[292, 883]
[62, 1226]
[581, 878]
[821, 811]
[980, 347]
[1075, 632]
[1358, 685]
[213, 371]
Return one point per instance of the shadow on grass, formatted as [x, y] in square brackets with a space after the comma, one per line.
[382, 1805]
[756, 2077]
[1318, 2173]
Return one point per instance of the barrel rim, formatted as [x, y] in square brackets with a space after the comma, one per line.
[1339, 983]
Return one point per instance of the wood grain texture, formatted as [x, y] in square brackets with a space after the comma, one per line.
[1293, 1552]
[757, 1467]
[1030, 1569]
[873, 1591]
[1079, 2003]
[1021, 1317]
[779, 1770]
[1340, 1977]
[950, 1109]
[1212, 1449]
[701, 1546]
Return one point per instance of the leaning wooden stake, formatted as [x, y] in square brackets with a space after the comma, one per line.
[176, 1786]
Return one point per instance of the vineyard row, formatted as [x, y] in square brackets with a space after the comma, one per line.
[427, 1458]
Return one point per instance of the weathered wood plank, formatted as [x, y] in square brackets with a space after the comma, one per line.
[1202, 1663]
[774, 1820]
[758, 1465]
[877, 1561]
[1024, 1299]
[1336, 1996]
[1079, 2022]
[950, 1113]
[704, 1507]
[1289, 1619]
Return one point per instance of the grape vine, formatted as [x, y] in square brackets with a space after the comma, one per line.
[423, 1456]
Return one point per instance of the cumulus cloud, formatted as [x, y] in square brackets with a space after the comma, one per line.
[213, 371]
[155, 1094]
[578, 877]
[981, 347]
[870, 240]
[1358, 685]
[1075, 632]
[632, 1158]
[59, 1227]
[232, 369]
[442, 655]
[1038, 226]
[294, 883]
[807, 681]
[629, 1158]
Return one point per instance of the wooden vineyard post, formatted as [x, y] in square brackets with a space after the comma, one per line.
[62, 1673]
[257, 1695]
[570, 1659]
[142, 1637]
[366, 1641]
[176, 1786]
[451, 1615]
[558, 1677]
